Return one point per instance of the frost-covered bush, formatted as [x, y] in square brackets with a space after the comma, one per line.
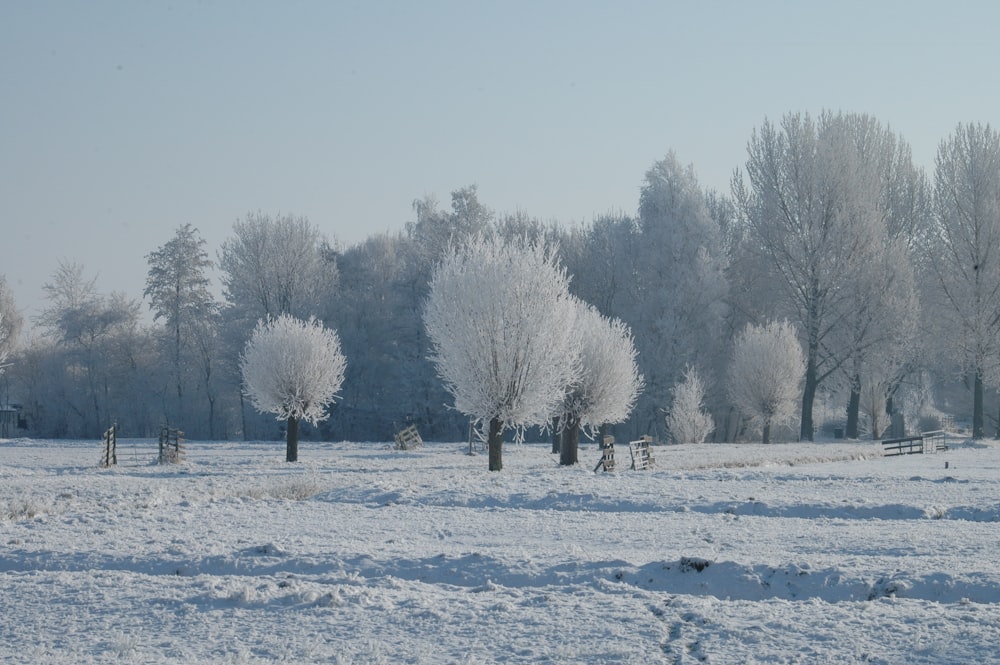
[294, 369]
[500, 320]
[609, 382]
[765, 375]
[688, 421]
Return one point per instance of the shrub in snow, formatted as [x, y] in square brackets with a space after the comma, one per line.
[608, 384]
[765, 375]
[500, 320]
[688, 421]
[294, 369]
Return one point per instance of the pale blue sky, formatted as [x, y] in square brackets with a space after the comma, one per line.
[120, 121]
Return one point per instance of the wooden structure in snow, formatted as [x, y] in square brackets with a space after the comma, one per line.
[607, 460]
[928, 442]
[408, 438]
[171, 446]
[109, 457]
[642, 458]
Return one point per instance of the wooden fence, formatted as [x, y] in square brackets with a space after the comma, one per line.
[171, 446]
[110, 455]
[925, 443]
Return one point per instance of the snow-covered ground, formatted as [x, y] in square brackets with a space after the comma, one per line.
[793, 553]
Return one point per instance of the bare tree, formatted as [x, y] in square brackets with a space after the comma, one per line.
[97, 335]
[965, 252]
[811, 211]
[276, 265]
[294, 369]
[500, 317]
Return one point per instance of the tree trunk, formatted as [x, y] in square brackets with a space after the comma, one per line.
[292, 440]
[812, 360]
[243, 413]
[767, 432]
[570, 443]
[977, 406]
[808, 397]
[853, 409]
[496, 444]
[897, 420]
[556, 435]
[211, 418]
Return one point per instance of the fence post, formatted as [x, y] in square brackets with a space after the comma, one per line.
[110, 457]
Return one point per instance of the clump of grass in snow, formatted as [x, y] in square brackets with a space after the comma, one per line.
[23, 509]
[298, 489]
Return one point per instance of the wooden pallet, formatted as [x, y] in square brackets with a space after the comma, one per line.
[408, 438]
[642, 457]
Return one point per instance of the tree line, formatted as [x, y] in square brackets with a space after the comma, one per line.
[831, 243]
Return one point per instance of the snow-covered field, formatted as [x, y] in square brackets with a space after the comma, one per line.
[811, 553]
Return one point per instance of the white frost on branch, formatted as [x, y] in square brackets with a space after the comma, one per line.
[766, 374]
[688, 421]
[293, 368]
[609, 382]
[500, 320]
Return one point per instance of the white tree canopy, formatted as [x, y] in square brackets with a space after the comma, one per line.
[766, 373]
[609, 381]
[688, 421]
[293, 368]
[500, 319]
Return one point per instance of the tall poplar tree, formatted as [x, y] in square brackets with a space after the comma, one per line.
[965, 254]
[177, 286]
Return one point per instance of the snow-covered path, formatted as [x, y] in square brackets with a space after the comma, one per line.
[725, 554]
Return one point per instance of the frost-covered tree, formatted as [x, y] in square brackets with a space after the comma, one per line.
[500, 320]
[964, 253]
[435, 230]
[879, 322]
[810, 215]
[177, 286]
[102, 348]
[688, 422]
[272, 265]
[880, 329]
[873, 398]
[10, 320]
[677, 306]
[276, 265]
[294, 369]
[765, 375]
[601, 256]
[606, 389]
